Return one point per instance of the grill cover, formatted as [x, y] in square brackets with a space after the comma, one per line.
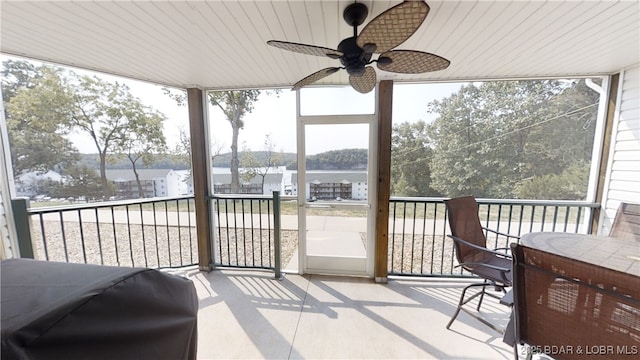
[54, 310]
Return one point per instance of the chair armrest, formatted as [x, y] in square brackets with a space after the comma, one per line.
[490, 266]
[506, 249]
[480, 248]
[501, 233]
[503, 271]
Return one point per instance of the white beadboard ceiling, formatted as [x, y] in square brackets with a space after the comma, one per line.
[221, 44]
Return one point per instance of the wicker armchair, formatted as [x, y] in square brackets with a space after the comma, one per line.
[492, 265]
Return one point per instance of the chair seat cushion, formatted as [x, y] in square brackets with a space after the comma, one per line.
[496, 275]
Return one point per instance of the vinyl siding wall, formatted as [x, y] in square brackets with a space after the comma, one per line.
[622, 183]
[7, 229]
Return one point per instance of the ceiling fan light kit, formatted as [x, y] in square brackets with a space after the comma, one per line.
[380, 36]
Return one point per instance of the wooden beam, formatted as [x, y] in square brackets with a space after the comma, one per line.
[385, 101]
[606, 146]
[200, 174]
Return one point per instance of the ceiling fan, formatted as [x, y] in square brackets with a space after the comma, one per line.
[380, 36]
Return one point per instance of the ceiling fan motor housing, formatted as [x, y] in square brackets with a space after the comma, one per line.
[354, 58]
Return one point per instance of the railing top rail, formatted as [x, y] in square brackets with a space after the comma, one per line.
[104, 204]
[502, 201]
[241, 197]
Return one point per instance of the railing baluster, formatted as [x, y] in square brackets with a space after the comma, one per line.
[260, 233]
[133, 263]
[166, 218]
[578, 220]
[115, 237]
[189, 229]
[404, 222]
[155, 231]
[520, 221]
[413, 237]
[269, 213]
[44, 237]
[497, 238]
[444, 239]
[510, 220]
[393, 238]
[84, 250]
[244, 232]
[99, 238]
[179, 232]
[566, 218]
[226, 214]
[533, 212]
[179, 227]
[424, 232]
[64, 237]
[433, 237]
[276, 231]
[486, 221]
[253, 244]
[144, 240]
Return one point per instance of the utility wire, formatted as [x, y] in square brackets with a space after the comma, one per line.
[501, 135]
[527, 127]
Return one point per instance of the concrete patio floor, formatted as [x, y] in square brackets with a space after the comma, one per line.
[246, 314]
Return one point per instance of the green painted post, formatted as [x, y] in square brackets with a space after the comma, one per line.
[22, 220]
[276, 233]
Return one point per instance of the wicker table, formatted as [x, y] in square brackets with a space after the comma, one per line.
[617, 254]
[576, 296]
[612, 253]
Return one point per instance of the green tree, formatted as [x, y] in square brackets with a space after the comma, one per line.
[571, 184]
[182, 149]
[81, 181]
[45, 186]
[565, 134]
[234, 105]
[488, 137]
[343, 159]
[110, 115]
[252, 166]
[411, 155]
[17, 74]
[37, 100]
[144, 141]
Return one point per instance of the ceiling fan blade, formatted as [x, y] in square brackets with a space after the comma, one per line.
[394, 26]
[412, 62]
[306, 49]
[365, 82]
[315, 77]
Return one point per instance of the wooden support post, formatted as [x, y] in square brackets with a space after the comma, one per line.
[385, 100]
[200, 173]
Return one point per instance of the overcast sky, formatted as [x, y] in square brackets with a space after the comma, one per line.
[275, 114]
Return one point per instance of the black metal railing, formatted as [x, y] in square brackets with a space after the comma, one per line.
[161, 232]
[247, 231]
[156, 233]
[418, 245]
